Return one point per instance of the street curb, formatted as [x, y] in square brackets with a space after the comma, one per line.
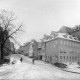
[70, 71]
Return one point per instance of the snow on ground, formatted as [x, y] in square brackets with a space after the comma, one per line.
[74, 67]
[40, 70]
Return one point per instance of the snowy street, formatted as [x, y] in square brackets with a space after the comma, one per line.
[40, 70]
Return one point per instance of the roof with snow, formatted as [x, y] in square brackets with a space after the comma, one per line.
[61, 35]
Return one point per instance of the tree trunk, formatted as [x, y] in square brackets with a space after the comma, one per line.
[2, 53]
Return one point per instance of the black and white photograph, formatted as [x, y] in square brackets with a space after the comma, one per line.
[39, 39]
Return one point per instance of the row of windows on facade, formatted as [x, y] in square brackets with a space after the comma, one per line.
[64, 50]
[67, 43]
[68, 58]
[71, 58]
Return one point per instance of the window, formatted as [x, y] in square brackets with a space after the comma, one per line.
[54, 45]
[60, 57]
[50, 58]
[61, 41]
[46, 57]
[62, 50]
[64, 57]
[65, 36]
[49, 43]
[71, 51]
[64, 42]
[75, 38]
[67, 42]
[55, 42]
[53, 58]
[70, 58]
[77, 51]
[78, 45]
[67, 57]
[73, 58]
[70, 37]
[74, 44]
[70, 43]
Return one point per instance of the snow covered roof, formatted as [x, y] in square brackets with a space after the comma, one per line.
[62, 35]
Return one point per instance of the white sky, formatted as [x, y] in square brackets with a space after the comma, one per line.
[43, 16]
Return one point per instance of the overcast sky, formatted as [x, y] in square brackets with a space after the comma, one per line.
[43, 16]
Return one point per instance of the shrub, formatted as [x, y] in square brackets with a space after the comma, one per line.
[4, 61]
[60, 65]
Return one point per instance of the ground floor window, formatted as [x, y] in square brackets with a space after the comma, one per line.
[64, 57]
[67, 57]
[50, 58]
[73, 58]
[70, 58]
[61, 57]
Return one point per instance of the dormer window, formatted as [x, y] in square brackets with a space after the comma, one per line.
[70, 37]
[55, 35]
[65, 36]
[75, 30]
[75, 38]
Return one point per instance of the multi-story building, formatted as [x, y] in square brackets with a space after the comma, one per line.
[25, 49]
[29, 49]
[40, 50]
[12, 48]
[61, 48]
[33, 50]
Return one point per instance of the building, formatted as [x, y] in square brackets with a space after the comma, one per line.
[25, 49]
[33, 50]
[12, 48]
[29, 49]
[61, 48]
[40, 50]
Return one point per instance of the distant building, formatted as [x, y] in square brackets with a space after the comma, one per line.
[29, 49]
[33, 50]
[43, 50]
[61, 48]
[40, 52]
[25, 49]
[12, 48]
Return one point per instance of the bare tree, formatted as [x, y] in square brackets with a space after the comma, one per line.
[9, 28]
